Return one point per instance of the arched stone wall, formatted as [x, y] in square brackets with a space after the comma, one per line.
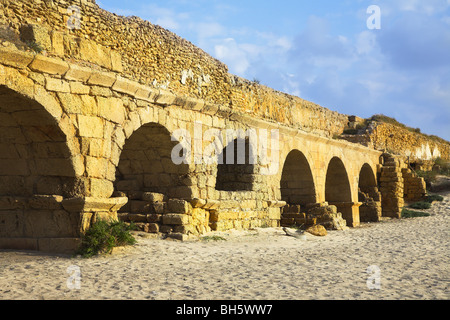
[368, 195]
[37, 172]
[297, 182]
[338, 190]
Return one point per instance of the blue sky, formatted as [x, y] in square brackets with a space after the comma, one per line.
[323, 51]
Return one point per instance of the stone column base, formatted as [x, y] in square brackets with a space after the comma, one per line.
[350, 212]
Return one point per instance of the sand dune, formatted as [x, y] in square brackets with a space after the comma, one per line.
[411, 255]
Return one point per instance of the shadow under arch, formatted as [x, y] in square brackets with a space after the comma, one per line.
[236, 167]
[369, 195]
[34, 153]
[146, 165]
[36, 173]
[297, 183]
[338, 190]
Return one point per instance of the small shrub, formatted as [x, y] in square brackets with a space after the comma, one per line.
[212, 238]
[406, 214]
[432, 198]
[420, 205]
[33, 45]
[103, 236]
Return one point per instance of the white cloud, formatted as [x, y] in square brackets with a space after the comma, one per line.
[234, 55]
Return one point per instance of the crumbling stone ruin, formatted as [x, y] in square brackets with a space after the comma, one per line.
[91, 116]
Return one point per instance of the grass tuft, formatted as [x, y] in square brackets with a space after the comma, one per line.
[212, 238]
[406, 214]
[420, 205]
[103, 236]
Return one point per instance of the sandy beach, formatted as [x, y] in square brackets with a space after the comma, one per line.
[411, 257]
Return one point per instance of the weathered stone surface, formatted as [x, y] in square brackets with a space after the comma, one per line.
[175, 219]
[153, 197]
[104, 79]
[317, 230]
[126, 86]
[49, 65]
[15, 58]
[179, 206]
[78, 73]
[89, 204]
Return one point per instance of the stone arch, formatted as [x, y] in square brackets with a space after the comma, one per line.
[297, 182]
[35, 157]
[146, 166]
[38, 169]
[338, 190]
[237, 166]
[367, 179]
[368, 195]
[337, 183]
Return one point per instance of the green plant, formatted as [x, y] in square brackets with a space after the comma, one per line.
[413, 214]
[33, 45]
[420, 205]
[103, 236]
[432, 198]
[212, 238]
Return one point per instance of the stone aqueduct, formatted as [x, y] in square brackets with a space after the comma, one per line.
[79, 143]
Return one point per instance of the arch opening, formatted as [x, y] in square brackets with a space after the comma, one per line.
[36, 174]
[337, 184]
[368, 195]
[338, 191]
[236, 168]
[297, 183]
[146, 166]
[34, 154]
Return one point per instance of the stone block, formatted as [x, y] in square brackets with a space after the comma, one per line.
[101, 188]
[135, 217]
[126, 86]
[175, 219]
[79, 88]
[96, 167]
[57, 39]
[138, 206]
[153, 197]
[154, 218]
[50, 202]
[146, 93]
[91, 127]
[78, 73]
[104, 79]
[159, 207]
[95, 53]
[127, 185]
[58, 85]
[179, 236]
[165, 98]
[49, 65]
[16, 243]
[179, 206]
[111, 109]
[116, 61]
[152, 228]
[15, 58]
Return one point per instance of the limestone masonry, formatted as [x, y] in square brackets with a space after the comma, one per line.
[88, 117]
